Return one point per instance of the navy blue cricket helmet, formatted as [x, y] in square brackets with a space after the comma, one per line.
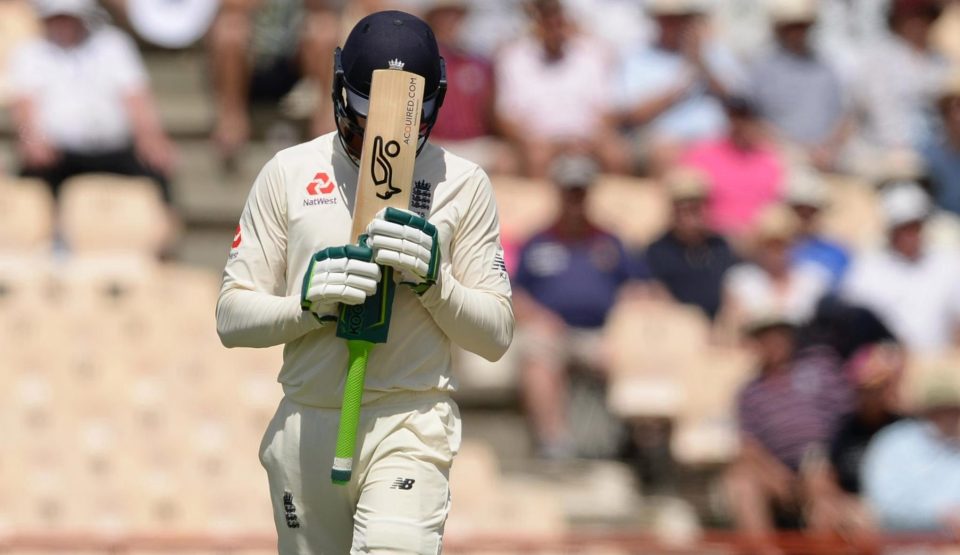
[374, 41]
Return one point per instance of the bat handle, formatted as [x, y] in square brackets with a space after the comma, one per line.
[350, 411]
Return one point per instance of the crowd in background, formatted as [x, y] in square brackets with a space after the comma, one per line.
[736, 109]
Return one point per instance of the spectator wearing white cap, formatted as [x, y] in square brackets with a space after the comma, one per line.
[808, 195]
[796, 91]
[82, 102]
[942, 153]
[911, 286]
[568, 278]
[671, 94]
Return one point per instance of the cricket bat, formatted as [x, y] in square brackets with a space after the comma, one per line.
[386, 177]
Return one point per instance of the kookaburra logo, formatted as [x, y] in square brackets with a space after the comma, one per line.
[381, 169]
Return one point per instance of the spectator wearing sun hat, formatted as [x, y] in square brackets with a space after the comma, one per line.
[689, 259]
[785, 413]
[808, 196]
[670, 94]
[914, 288]
[797, 91]
[769, 280]
[911, 470]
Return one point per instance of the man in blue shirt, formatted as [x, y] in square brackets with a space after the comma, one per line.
[911, 470]
[689, 259]
[807, 195]
[567, 281]
[942, 155]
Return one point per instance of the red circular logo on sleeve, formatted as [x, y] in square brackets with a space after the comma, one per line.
[237, 238]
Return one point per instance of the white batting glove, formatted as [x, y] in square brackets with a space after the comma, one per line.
[338, 275]
[409, 244]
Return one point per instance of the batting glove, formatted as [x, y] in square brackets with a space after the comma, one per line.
[409, 244]
[338, 275]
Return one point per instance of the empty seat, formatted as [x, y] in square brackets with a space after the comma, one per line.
[26, 215]
[853, 215]
[651, 346]
[109, 213]
[525, 206]
[636, 210]
[706, 431]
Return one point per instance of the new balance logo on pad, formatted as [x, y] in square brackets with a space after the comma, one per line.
[403, 483]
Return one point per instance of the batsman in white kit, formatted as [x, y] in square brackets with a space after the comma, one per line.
[432, 275]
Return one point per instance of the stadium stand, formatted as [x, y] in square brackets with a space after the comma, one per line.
[129, 429]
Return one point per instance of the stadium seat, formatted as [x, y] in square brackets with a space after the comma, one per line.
[853, 216]
[636, 210]
[26, 216]
[922, 371]
[525, 206]
[706, 430]
[652, 345]
[109, 213]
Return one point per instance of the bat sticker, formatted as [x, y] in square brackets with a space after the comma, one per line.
[380, 167]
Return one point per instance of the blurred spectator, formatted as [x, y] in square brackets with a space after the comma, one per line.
[912, 287]
[567, 281]
[899, 82]
[690, 260]
[465, 127]
[942, 154]
[787, 412]
[671, 93]
[259, 50]
[833, 477]
[796, 91]
[911, 470]
[551, 92]
[745, 170]
[770, 281]
[82, 102]
[846, 31]
[807, 195]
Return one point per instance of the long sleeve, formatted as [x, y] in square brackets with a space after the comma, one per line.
[471, 301]
[253, 309]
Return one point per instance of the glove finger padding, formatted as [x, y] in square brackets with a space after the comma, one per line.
[407, 242]
[338, 275]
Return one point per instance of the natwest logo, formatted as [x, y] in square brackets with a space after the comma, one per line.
[318, 189]
[321, 185]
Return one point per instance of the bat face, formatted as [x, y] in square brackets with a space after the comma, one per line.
[386, 179]
[389, 145]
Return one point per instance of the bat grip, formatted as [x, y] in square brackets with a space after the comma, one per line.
[350, 411]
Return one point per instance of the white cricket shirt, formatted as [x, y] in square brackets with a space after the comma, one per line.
[301, 203]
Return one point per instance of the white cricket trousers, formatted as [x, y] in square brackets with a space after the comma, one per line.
[399, 497]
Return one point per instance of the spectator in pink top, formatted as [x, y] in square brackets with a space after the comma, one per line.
[745, 170]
